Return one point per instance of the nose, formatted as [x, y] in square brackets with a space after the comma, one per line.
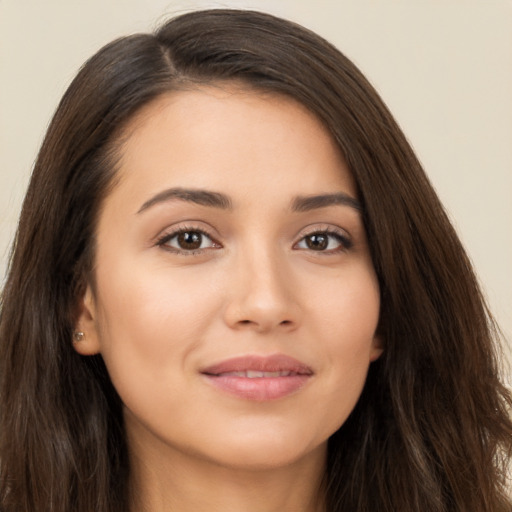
[262, 296]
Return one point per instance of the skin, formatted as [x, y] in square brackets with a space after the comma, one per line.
[159, 314]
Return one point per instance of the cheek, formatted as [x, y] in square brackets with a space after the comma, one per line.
[347, 310]
[153, 300]
[347, 317]
[149, 322]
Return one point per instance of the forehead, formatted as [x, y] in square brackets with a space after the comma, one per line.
[228, 137]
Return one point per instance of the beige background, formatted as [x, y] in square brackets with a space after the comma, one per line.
[444, 67]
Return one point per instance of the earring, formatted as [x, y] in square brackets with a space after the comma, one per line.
[78, 336]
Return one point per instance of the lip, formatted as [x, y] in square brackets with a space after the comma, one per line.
[258, 378]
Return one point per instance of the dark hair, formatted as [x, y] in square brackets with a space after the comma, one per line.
[431, 431]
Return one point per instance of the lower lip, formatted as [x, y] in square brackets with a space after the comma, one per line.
[259, 389]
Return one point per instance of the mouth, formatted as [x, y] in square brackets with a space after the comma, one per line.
[253, 374]
[258, 378]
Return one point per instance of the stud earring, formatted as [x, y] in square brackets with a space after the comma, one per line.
[78, 336]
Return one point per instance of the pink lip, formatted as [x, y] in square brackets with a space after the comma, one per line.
[294, 376]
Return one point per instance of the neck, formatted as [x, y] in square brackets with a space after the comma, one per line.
[172, 481]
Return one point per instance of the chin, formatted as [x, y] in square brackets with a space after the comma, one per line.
[260, 450]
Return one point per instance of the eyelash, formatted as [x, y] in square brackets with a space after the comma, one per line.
[166, 238]
[345, 243]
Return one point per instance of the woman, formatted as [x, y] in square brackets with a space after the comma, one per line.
[234, 288]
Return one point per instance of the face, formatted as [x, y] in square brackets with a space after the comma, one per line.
[235, 302]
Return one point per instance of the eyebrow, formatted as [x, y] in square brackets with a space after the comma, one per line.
[197, 196]
[307, 203]
[219, 200]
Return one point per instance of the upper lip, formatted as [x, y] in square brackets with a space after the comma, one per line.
[272, 363]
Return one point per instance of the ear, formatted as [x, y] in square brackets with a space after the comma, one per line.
[87, 323]
[377, 348]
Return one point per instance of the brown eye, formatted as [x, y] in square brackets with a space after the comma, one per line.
[317, 242]
[325, 241]
[189, 240]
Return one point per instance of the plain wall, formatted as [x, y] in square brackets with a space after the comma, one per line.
[443, 67]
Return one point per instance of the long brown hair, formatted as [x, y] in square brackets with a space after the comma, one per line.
[431, 431]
